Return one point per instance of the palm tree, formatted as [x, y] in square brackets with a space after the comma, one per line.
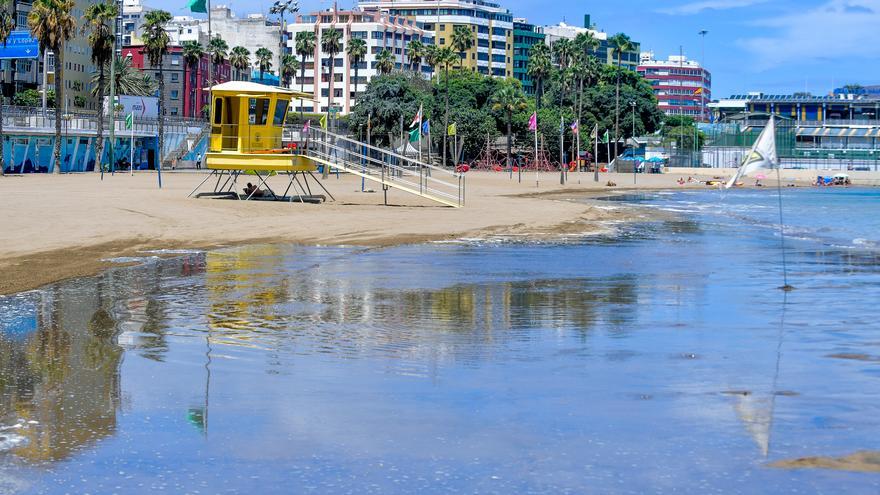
[264, 60]
[289, 66]
[129, 80]
[356, 50]
[508, 99]
[98, 18]
[563, 52]
[619, 43]
[415, 53]
[305, 48]
[240, 58]
[331, 44]
[7, 25]
[446, 56]
[430, 55]
[462, 41]
[384, 62]
[192, 55]
[156, 46]
[539, 69]
[51, 22]
[219, 50]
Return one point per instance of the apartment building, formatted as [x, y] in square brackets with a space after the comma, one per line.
[682, 86]
[525, 36]
[605, 52]
[491, 24]
[380, 30]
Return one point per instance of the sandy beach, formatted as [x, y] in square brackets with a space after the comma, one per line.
[57, 227]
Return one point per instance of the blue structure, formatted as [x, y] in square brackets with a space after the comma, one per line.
[268, 78]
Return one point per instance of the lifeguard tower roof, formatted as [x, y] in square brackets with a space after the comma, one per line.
[252, 87]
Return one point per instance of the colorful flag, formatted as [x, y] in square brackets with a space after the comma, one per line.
[763, 154]
[426, 127]
[452, 129]
[197, 6]
[416, 119]
[595, 132]
[575, 127]
[414, 136]
[307, 126]
[533, 122]
[323, 121]
[129, 120]
[606, 137]
[699, 91]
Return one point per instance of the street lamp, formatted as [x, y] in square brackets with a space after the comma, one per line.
[632, 104]
[280, 7]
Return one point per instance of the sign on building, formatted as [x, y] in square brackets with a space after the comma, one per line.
[20, 44]
[143, 107]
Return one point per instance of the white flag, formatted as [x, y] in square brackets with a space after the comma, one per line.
[762, 155]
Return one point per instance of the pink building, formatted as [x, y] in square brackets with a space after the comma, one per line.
[682, 86]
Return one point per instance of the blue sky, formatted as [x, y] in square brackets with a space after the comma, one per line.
[774, 46]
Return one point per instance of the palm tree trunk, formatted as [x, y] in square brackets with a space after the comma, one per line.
[617, 108]
[302, 83]
[99, 140]
[356, 81]
[509, 144]
[446, 118]
[59, 98]
[330, 94]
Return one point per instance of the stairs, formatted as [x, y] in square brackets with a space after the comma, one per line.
[386, 168]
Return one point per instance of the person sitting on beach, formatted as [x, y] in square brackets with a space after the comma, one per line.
[690, 179]
[681, 181]
[251, 191]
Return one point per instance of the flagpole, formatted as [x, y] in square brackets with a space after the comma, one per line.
[608, 148]
[420, 134]
[537, 182]
[596, 156]
[131, 154]
[577, 157]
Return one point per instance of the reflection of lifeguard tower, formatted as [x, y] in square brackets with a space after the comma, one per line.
[246, 130]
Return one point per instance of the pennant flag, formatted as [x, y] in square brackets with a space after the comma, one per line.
[575, 127]
[414, 136]
[323, 121]
[763, 154]
[452, 129]
[129, 120]
[416, 119]
[533, 122]
[606, 137]
[699, 91]
[307, 126]
[197, 6]
[426, 127]
[594, 134]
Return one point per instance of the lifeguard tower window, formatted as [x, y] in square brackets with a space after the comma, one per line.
[258, 111]
[280, 112]
[218, 111]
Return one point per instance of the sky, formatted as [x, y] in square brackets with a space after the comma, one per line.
[771, 46]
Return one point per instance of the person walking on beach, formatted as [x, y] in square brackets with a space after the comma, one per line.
[199, 162]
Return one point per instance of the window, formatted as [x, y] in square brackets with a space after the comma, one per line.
[175, 60]
[175, 94]
[258, 111]
[174, 76]
[218, 111]
[280, 112]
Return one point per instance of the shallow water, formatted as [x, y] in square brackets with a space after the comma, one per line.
[659, 359]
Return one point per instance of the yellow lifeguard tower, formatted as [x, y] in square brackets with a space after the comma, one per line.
[247, 122]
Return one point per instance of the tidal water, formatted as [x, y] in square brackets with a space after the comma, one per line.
[658, 359]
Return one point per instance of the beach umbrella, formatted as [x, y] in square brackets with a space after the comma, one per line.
[760, 176]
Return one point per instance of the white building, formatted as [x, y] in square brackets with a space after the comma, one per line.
[133, 12]
[491, 24]
[380, 30]
[185, 28]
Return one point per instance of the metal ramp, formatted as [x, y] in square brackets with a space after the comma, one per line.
[384, 167]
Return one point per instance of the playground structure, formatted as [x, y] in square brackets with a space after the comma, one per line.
[248, 137]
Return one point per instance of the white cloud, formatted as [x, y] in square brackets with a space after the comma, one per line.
[703, 5]
[833, 31]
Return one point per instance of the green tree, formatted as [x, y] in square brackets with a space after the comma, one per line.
[7, 24]
[386, 100]
[156, 46]
[539, 69]
[415, 52]
[33, 98]
[264, 60]
[289, 66]
[331, 44]
[305, 48]
[192, 55]
[430, 57]
[52, 23]
[219, 50]
[620, 44]
[446, 57]
[99, 18]
[385, 62]
[462, 41]
[129, 80]
[357, 51]
[240, 59]
[509, 99]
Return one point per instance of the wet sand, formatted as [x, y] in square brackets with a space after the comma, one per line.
[58, 227]
[864, 462]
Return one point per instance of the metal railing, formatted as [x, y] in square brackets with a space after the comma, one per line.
[387, 167]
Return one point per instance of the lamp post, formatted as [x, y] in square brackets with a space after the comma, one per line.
[632, 105]
[280, 7]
